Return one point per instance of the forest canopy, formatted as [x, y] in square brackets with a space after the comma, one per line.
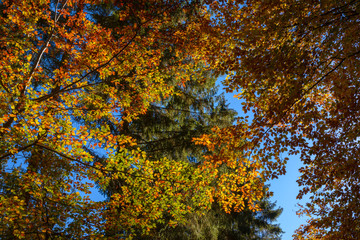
[121, 94]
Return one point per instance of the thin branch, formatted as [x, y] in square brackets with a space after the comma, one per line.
[161, 139]
[302, 96]
[338, 8]
[56, 19]
[56, 10]
[99, 169]
[175, 109]
[67, 88]
[18, 150]
[2, 84]
[37, 61]
[25, 85]
[87, 74]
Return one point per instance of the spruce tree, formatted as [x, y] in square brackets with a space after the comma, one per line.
[167, 130]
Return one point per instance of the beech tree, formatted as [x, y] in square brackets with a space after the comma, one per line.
[59, 65]
[295, 64]
[53, 64]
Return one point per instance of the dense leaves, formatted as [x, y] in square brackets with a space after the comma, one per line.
[77, 75]
[70, 72]
[296, 64]
[167, 129]
[59, 64]
[216, 224]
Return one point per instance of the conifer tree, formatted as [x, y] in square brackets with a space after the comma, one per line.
[167, 130]
[217, 224]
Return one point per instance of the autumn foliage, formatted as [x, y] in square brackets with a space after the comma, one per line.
[67, 66]
[73, 70]
[296, 66]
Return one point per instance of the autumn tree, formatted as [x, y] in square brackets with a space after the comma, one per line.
[59, 64]
[167, 130]
[217, 224]
[55, 59]
[295, 64]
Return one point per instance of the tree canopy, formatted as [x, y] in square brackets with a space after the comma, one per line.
[167, 130]
[296, 65]
[65, 67]
[77, 76]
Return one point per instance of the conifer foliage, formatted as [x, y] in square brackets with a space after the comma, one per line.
[167, 130]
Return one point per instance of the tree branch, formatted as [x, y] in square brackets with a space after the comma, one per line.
[66, 88]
